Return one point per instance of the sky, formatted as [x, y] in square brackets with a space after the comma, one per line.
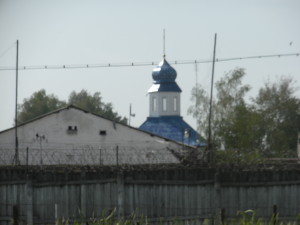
[77, 32]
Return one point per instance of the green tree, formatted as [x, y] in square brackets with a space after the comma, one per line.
[38, 104]
[200, 109]
[266, 126]
[230, 114]
[279, 109]
[94, 104]
[230, 103]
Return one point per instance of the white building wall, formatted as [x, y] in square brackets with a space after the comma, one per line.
[169, 96]
[54, 128]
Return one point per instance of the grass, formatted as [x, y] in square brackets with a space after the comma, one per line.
[247, 217]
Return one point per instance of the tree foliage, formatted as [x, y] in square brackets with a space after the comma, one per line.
[279, 109]
[227, 108]
[267, 125]
[93, 103]
[40, 103]
[229, 105]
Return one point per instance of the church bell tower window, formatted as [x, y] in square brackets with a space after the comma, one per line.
[154, 104]
[164, 103]
[175, 104]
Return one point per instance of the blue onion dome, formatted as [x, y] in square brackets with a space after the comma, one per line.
[164, 73]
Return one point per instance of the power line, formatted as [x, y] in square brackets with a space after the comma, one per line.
[176, 62]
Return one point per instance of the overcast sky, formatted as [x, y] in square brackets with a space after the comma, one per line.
[70, 32]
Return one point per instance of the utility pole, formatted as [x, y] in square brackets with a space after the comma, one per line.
[130, 114]
[40, 138]
[164, 44]
[16, 158]
[210, 149]
[196, 94]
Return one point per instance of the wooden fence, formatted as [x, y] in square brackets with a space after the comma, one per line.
[39, 195]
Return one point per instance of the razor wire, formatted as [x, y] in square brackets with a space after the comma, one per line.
[109, 156]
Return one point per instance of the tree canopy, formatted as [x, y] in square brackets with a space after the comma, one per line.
[265, 125]
[279, 111]
[40, 103]
[93, 103]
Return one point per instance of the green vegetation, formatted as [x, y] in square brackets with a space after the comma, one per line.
[263, 127]
[40, 103]
[106, 219]
[247, 217]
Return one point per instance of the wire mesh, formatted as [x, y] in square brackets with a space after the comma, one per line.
[90, 155]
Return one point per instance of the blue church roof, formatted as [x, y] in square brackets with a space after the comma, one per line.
[174, 128]
[165, 87]
[164, 77]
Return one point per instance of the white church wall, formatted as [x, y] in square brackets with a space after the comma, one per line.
[160, 109]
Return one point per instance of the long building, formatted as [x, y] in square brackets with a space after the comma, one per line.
[74, 136]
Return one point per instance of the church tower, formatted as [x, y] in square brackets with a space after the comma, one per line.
[164, 94]
[164, 108]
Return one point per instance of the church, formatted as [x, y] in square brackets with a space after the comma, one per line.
[164, 109]
[71, 135]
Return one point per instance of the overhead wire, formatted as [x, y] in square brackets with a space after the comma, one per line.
[131, 64]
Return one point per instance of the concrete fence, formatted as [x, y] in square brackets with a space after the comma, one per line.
[40, 195]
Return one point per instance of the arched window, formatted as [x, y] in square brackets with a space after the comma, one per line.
[154, 104]
[164, 104]
[175, 107]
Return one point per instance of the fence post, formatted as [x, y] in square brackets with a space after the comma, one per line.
[100, 156]
[117, 156]
[83, 196]
[56, 214]
[223, 216]
[217, 189]
[274, 216]
[27, 157]
[16, 216]
[29, 201]
[120, 194]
